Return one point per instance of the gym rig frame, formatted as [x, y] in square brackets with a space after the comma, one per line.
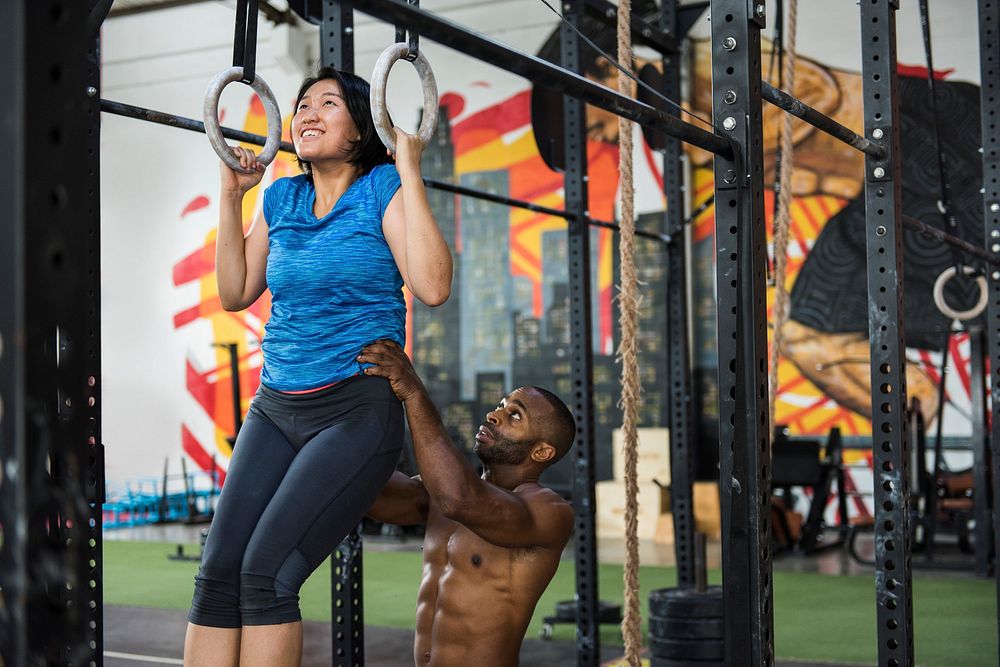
[51, 477]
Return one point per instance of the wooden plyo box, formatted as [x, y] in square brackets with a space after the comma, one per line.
[654, 502]
[653, 455]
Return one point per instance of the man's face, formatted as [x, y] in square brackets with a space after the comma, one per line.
[509, 433]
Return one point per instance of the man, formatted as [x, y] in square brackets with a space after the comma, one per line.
[492, 543]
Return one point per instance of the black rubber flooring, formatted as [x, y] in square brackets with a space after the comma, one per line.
[142, 637]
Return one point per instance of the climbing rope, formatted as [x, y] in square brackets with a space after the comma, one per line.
[782, 215]
[629, 307]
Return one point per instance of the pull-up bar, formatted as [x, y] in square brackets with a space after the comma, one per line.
[820, 121]
[171, 120]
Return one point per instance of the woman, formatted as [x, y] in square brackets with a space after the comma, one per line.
[335, 245]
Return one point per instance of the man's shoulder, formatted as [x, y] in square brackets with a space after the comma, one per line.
[542, 496]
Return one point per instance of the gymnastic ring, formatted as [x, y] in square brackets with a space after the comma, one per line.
[214, 132]
[380, 114]
[961, 315]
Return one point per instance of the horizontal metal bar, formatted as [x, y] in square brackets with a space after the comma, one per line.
[820, 121]
[142, 9]
[945, 237]
[540, 71]
[172, 120]
[519, 203]
[129, 111]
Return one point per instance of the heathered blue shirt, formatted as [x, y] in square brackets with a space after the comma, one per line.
[334, 283]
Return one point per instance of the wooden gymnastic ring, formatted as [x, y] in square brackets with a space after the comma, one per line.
[214, 132]
[943, 306]
[380, 114]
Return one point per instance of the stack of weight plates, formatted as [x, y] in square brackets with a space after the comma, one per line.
[686, 627]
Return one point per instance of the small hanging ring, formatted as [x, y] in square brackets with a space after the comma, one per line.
[214, 132]
[943, 306]
[380, 114]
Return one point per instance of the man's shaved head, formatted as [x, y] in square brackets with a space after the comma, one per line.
[559, 427]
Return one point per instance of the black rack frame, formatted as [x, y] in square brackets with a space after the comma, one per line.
[989, 62]
[49, 381]
[884, 234]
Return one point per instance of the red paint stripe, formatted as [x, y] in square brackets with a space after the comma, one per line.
[525, 254]
[961, 364]
[200, 455]
[859, 503]
[499, 119]
[654, 168]
[823, 426]
[802, 412]
[852, 425]
[791, 384]
[196, 204]
[920, 71]
[199, 263]
[206, 308]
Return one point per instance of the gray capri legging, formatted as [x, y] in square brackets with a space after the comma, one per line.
[305, 469]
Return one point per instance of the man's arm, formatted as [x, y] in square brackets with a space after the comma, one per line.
[533, 517]
[403, 501]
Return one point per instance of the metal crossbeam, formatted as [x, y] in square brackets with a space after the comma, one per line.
[539, 71]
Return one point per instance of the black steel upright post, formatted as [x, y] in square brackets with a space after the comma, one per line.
[989, 68]
[348, 632]
[51, 485]
[982, 509]
[13, 189]
[575, 125]
[884, 235]
[336, 36]
[89, 237]
[681, 417]
[742, 336]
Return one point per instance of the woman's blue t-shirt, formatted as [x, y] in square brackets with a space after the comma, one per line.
[334, 283]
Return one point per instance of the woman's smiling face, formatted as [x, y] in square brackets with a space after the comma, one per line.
[322, 127]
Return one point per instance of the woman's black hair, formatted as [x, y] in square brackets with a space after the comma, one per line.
[368, 151]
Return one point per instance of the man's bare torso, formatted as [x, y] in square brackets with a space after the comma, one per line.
[476, 598]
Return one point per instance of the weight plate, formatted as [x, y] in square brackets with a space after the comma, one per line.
[686, 602]
[671, 627]
[687, 649]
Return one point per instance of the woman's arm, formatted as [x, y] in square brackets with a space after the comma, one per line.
[240, 262]
[420, 251]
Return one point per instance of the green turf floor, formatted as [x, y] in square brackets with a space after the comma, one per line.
[817, 617]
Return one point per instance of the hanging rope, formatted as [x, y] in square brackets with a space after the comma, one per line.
[629, 308]
[782, 216]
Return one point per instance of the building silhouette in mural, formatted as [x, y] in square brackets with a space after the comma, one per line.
[487, 339]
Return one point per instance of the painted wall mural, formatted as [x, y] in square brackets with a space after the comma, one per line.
[507, 321]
